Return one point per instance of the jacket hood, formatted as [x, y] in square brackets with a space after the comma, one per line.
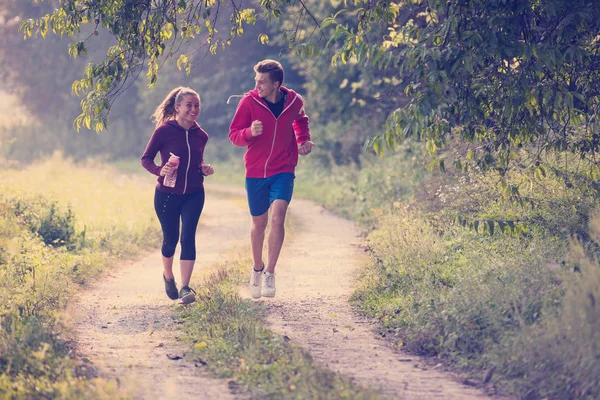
[291, 95]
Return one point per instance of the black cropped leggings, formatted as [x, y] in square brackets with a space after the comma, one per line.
[172, 208]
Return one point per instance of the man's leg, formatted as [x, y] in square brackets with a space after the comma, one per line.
[277, 233]
[257, 238]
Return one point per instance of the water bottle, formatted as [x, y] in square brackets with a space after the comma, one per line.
[171, 177]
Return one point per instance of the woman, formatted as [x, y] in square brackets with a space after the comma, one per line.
[178, 133]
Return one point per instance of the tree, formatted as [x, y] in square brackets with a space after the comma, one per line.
[41, 73]
[488, 76]
[147, 34]
[348, 102]
[494, 76]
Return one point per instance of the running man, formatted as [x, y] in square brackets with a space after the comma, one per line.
[270, 121]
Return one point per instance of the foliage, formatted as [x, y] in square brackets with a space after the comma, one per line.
[55, 227]
[487, 302]
[558, 358]
[509, 307]
[347, 102]
[145, 37]
[35, 363]
[484, 202]
[41, 74]
[364, 193]
[95, 194]
[462, 296]
[43, 122]
[496, 75]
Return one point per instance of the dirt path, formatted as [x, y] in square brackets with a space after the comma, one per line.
[315, 279]
[124, 323]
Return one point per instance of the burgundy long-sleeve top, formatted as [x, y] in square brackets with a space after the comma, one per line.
[188, 145]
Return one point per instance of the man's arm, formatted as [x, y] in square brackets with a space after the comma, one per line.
[240, 133]
[302, 131]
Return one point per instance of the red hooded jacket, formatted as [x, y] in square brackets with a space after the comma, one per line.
[276, 150]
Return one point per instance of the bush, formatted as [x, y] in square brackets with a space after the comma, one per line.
[507, 300]
[56, 227]
[452, 294]
[364, 194]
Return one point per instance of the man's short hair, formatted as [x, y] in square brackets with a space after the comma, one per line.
[273, 68]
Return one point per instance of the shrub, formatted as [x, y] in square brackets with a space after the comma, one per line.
[56, 227]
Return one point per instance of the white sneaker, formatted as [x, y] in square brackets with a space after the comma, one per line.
[268, 287]
[255, 283]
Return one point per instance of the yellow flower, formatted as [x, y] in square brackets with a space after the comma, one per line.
[200, 345]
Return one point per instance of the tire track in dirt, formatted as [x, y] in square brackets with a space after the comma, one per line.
[315, 277]
[123, 322]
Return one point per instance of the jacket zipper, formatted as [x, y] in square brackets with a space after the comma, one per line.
[187, 169]
[275, 132]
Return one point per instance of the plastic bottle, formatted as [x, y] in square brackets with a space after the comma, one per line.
[171, 177]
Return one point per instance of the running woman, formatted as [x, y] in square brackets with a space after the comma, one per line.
[177, 133]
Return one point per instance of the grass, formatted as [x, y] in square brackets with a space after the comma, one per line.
[113, 210]
[60, 225]
[513, 310]
[229, 335]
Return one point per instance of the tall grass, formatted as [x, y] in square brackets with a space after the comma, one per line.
[363, 193]
[60, 225]
[112, 209]
[513, 309]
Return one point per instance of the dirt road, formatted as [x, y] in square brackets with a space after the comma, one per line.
[124, 325]
[315, 279]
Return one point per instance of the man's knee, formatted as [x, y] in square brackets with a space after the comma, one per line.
[278, 212]
[259, 224]
[278, 219]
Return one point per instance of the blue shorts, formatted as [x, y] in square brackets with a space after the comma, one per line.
[263, 191]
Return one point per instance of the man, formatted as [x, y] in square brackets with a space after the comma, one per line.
[271, 122]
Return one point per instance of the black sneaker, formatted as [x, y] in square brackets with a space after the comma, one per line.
[187, 295]
[171, 288]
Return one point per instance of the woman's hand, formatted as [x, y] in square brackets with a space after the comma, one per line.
[167, 169]
[207, 169]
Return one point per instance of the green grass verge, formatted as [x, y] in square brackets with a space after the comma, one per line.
[514, 310]
[228, 335]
